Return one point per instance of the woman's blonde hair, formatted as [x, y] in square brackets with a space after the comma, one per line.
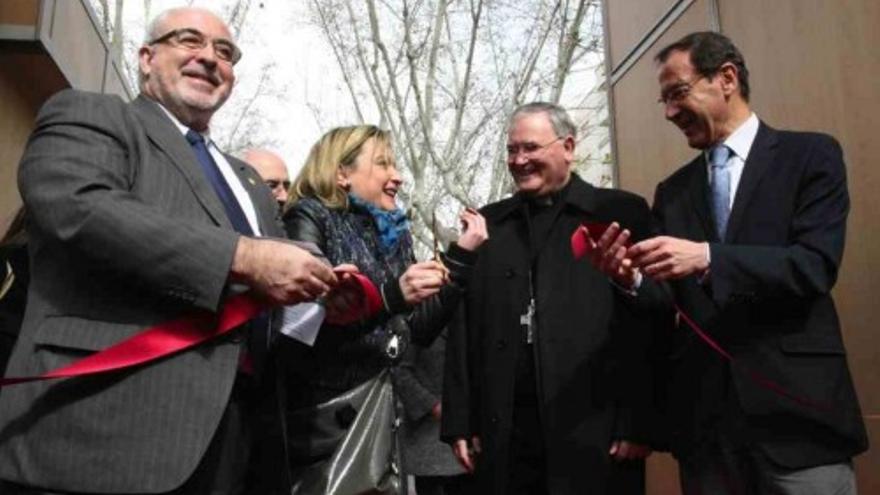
[338, 148]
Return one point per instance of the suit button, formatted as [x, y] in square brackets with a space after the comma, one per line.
[494, 419]
[509, 273]
[501, 344]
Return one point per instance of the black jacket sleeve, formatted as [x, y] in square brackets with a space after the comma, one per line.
[428, 318]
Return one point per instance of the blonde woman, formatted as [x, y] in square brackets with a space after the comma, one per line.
[345, 201]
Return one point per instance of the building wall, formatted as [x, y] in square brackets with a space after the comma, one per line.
[45, 46]
[813, 66]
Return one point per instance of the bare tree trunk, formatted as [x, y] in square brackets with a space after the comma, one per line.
[445, 75]
[105, 17]
[116, 43]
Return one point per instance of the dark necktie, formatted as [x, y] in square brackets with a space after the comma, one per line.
[221, 187]
[252, 356]
[718, 159]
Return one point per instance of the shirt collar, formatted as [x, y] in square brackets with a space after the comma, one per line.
[182, 128]
[740, 141]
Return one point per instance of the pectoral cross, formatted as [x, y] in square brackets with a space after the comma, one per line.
[527, 320]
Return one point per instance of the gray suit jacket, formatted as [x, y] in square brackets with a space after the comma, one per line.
[126, 232]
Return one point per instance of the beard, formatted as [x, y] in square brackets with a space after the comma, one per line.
[191, 105]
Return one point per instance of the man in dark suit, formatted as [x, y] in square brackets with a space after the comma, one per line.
[547, 371]
[137, 218]
[754, 230]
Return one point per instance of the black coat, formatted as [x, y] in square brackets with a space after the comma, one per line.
[767, 300]
[589, 351]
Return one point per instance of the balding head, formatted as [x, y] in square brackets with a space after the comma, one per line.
[273, 171]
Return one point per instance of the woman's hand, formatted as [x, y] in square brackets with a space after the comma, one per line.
[473, 227]
[346, 297]
[422, 280]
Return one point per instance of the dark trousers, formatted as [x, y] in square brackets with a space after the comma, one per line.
[728, 468]
[462, 484]
[528, 463]
[222, 470]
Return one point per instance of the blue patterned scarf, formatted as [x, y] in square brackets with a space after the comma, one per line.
[391, 224]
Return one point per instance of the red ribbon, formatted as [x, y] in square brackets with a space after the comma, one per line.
[370, 302]
[182, 333]
[580, 247]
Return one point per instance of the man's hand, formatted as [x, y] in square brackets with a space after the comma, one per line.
[474, 232]
[664, 257]
[467, 454]
[422, 280]
[280, 271]
[622, 450]
[609, 255]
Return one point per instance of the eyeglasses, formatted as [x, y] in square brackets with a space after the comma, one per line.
[527, 149]
[679, 92]
[273, 184]
[194, 40]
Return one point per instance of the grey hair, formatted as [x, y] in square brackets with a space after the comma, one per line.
[154, 28]
[559, 119]
[152, 32]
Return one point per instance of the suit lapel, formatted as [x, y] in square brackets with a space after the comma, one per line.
[168, 139]
[264, 203]
[760, 159]
[698, 189]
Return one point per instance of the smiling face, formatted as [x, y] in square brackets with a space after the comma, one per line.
[539, 161]
[373, 177]
[191, 84]
[698, 106]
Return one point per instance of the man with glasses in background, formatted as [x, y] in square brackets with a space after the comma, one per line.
[546, 384]
[273, 170]
[137, 218]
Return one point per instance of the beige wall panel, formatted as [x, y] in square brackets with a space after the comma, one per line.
[867, 464]
[113, 82]
[23, 89]
[15, 124]
[661, 471]
[648, 147]
[815, 65]
[630, 21]
[20, 12]
[75, 45]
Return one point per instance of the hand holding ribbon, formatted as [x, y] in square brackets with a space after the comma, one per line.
[177, 335]
[606, 245]
[602, 241]
[355, 297]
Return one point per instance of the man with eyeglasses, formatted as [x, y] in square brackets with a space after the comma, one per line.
[273, 170]
[546, 386]
[137, 218]
[754, 232]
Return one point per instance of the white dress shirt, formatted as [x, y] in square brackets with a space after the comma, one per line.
[740, 143]
[241, 195]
